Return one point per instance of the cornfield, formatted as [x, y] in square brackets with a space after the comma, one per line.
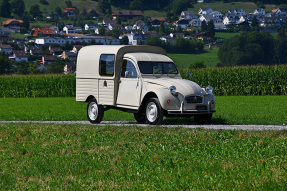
[37, 86]
[241, 81]
[254, 80]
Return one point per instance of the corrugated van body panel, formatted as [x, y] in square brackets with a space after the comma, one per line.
[106, 92]
[85, 88]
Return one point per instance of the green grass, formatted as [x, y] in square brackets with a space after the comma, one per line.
[87, 157]
[224, 35]
[152, 13]
[267, 110]
[209, 58]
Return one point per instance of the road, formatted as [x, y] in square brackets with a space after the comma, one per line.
[184, 125]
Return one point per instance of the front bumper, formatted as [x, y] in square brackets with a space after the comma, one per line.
[200, 109]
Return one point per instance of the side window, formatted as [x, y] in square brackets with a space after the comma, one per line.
[107, 62]
[128, 70]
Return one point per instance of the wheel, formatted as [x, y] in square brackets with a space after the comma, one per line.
[203, 118]
[140, 117]
[153, 112]
[95, 112]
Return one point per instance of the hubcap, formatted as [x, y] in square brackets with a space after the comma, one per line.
[151, 112]
[93, 111]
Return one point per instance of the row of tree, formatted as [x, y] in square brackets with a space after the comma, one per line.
[252, 48]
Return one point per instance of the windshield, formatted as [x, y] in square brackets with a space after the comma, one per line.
[157, 68]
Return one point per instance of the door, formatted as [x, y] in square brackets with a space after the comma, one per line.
[130, 85]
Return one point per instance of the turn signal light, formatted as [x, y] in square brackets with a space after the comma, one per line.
[212, 102]
[168, 101]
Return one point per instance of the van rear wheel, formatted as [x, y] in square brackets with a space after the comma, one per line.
[153, 112]
[95, 112]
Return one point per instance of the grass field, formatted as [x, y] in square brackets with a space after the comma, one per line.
[86, 157]
[209, 58]
[229, 110]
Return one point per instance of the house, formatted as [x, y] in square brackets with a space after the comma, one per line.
[272, 21]
[136, 36]
[46, 60]
[237, 12]
[140, 25]
[207, 18]
[107, 22]
[76, 48]
[91, 26]
[42, 32]
[33, 50]
[219, 26]
[182, 23]
[6, 48]
[280, 10]
[53, 16]
[155, 21]
[126, 14]
[216, 14]
[171, 37]
[258, 11]
[12, 24]
[188, 15]
[72, 30]
[69, 55]
[115, 26]
[55, 50]
[249, 18]
[49, 40]
[70, 12]
[195, 22]
[6, 38]
[230, 19]
[70, 68]
[205, 11]
[204, 35]
[53, 27]
[4, 30]
[18, 56]
[94, 14]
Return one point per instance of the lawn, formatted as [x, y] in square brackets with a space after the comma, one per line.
[209, 58]
[87, 157]
[267, 110]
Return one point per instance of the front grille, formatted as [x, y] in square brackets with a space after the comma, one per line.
[193, 99]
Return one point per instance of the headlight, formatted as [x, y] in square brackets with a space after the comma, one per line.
[173, 90]
[208, 89]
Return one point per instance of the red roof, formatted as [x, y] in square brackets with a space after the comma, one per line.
[11, 20]
[158, 18]
[70, 9]
[46, 31]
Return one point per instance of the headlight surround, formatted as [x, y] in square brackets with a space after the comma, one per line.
[173, 90]
[209, 89]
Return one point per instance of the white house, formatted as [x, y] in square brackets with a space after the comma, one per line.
[18, 56]
[140, 25]
[237, 12]
[230, 19]
[205, 11]
[91, 26]
[195, 22]
[49, 40]
[182, 23]
[207, 18]
[258, 11]
[216, 14]
[188, 15]
[72, 30]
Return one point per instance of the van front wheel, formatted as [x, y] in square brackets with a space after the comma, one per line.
[95, 112]
[153, 112]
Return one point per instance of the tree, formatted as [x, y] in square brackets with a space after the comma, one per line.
[137, 5]
[44, 2]
[58, 10]
[210, 27]
[22, 67]
[203, 26]
[105, 6]
[18, 7]
[68, 4]
[254, 22]
[102, 30]
[281, 47]
[35, 11]
[26, 20]
[161, 29]
[125, 40]
[5, 9]
[5, 65]
[56, 67]
[118, 20]
[180, 5]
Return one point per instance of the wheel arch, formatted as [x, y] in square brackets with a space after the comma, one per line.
[90, 97]
[146, 98]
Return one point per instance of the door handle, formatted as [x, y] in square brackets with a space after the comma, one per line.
[105, 84]
[120, 81]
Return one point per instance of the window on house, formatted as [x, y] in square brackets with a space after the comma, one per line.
[107, 64]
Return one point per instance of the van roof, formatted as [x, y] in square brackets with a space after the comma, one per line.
[89, 56]
[148, 57]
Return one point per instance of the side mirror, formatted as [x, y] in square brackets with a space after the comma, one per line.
[127, 74]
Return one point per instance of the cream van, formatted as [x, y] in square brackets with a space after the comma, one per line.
[141, 80]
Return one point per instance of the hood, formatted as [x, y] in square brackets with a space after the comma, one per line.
[183, 86]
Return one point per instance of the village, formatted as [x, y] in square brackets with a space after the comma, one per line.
[51, 44]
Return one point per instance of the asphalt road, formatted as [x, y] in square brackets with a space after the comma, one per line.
[184, 125]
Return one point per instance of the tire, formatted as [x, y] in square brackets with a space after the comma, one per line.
[203, 118]
[95, 112]
[140, 117]
[153, 112]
